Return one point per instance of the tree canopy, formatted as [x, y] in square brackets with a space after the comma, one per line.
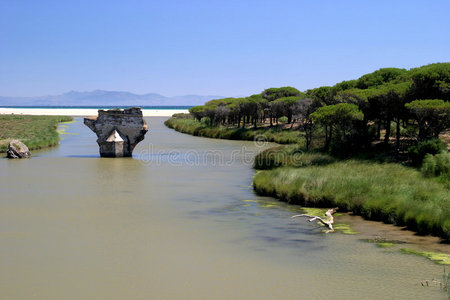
[362, 108]
[277, 93]
[432, 115]
[380, 77]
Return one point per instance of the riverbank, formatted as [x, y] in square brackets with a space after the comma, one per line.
[76, 112]
[186, 124]
[34, 131]
[384, 192]
[387, 192]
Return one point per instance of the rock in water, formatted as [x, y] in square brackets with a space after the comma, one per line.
[118, 131]
[17, 149]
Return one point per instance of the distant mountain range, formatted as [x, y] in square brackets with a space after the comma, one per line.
[106, 98]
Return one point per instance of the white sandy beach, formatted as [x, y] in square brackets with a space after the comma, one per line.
[83, 111]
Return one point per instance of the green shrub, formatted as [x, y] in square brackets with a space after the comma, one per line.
[182, 116]
[283, 119]
[409, 131]
[436, 165]
[417, 153]
[206, 121]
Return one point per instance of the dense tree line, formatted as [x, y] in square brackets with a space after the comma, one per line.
[407, 103]
[271, 105]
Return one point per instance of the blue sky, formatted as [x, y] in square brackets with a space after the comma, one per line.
[228, 48]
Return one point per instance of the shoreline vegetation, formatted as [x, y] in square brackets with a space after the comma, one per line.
[186, 124]
[388, 192]
[35, 132]
[376, 146]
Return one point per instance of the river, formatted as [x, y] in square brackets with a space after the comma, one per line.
[179, 220]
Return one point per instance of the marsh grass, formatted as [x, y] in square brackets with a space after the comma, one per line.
[34, 131]
[290, 155]
[192, 126]
[436, 165]
[386, 192]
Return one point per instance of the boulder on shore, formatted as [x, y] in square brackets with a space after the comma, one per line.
[17, 149]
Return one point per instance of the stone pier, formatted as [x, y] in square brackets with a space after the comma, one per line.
[118, 131]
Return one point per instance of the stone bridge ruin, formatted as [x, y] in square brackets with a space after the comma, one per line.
[118, 131]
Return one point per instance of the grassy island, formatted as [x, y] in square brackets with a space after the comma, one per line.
[376, 145]
[34, 131]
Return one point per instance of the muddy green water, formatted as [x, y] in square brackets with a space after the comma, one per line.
[176, 221]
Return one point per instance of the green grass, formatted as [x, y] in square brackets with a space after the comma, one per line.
[290, 155]
[386, 192]
[34, 131]
[191, 126]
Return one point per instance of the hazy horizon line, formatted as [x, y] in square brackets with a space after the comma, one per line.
[117, 91]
